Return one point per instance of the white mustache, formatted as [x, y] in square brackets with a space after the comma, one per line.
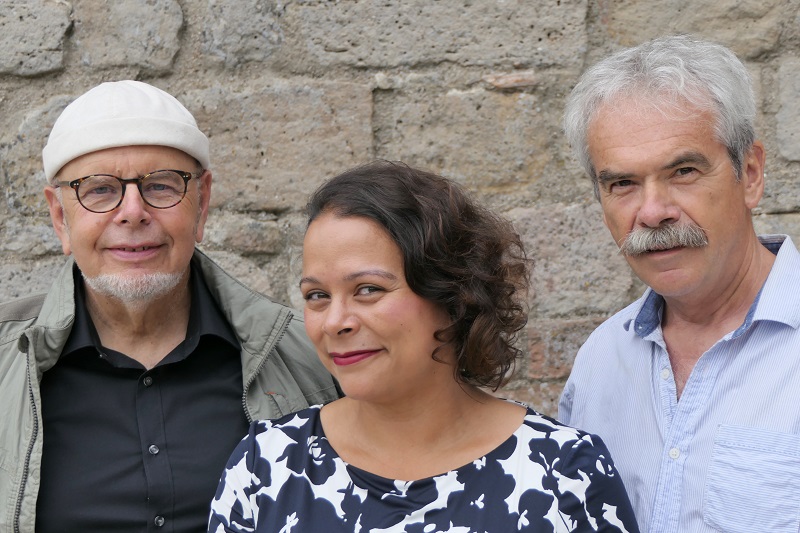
[642, 240]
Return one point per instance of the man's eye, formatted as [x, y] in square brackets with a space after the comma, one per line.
[99, 190]
[619, 184]
[684, 171]
[160, 188]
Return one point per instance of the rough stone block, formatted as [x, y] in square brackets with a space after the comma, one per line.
[247, 271]
[788, 116]
[273, 145]
[240, 31]
[542, 396]
[788, 223]
[28, 277]
[32, 237]
[142, 33]
[553, 344]
[749, 27]
[397, 33]
[275, 273]
[578, 271]
[272, 276]
[21, 159]
[504, 146]
[32, 36]
[243, 234]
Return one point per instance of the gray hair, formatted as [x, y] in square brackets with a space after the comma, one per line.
[668, 72]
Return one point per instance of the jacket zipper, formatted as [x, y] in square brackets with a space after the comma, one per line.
[284, 326]
[26, 468]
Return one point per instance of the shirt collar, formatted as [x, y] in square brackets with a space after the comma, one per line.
[773, 293]
[83, 333]
[648, 318]
[205, 313]
[780, 295]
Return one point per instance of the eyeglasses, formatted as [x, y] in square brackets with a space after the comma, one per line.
[101, 193]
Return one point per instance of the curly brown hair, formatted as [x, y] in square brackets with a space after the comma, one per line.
[456, 253]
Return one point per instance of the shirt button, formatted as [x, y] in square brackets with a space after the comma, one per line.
[148, 381]
[159, 521]
[153, 449]
[665, 373]
[674, 453]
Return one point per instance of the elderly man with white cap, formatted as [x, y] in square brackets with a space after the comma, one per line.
[126, 386]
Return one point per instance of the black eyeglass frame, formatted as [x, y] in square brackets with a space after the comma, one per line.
[75, 184]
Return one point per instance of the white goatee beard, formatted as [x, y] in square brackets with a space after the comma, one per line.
[134, 290]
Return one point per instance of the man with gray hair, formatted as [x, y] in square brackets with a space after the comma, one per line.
[125, 388]
[694, 386]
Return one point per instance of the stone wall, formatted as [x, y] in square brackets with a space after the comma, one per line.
[292, 93]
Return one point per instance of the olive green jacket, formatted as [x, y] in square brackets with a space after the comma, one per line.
[280, 370]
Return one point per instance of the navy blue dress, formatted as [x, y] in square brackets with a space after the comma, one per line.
[285, 477]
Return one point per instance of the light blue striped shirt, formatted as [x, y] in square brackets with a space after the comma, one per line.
[726, 457]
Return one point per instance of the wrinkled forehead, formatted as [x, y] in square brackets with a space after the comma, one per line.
[641, 111]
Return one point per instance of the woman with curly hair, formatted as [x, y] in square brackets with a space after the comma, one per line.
[414, 296]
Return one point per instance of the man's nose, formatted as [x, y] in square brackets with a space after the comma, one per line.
[658, 206]
[133, 208]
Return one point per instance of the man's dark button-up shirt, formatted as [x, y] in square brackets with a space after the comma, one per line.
[128, 449]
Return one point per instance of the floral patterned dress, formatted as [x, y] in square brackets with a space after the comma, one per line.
[285, 477]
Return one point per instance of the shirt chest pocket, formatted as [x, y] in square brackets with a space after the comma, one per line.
[753, 481]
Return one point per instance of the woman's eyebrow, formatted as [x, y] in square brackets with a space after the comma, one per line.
[355, 275]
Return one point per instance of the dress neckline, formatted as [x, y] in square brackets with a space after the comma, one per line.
[510, 441]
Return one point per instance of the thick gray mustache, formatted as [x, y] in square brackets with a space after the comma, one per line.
[643, 240]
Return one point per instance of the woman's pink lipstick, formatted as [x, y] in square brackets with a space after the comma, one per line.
[351, 358]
